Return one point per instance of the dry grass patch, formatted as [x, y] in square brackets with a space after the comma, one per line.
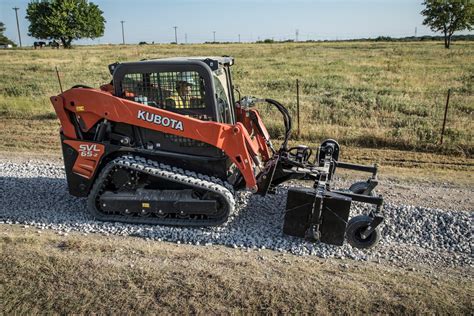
[97, 274]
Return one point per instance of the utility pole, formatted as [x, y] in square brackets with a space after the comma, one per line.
[123, 33]
[296, 33]
[239, 38]
[214, 32]
[416, 29]
[185, 38]
[175, 34]
[17, 24]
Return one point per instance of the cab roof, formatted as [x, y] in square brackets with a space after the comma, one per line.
[214, 62]
[223, 60]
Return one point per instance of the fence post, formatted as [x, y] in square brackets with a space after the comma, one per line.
[59, 79]
[445, 116]
[298, 105]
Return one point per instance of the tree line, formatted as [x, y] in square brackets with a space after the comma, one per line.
[68, 20]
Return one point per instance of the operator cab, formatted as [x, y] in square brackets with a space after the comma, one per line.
[199, 87]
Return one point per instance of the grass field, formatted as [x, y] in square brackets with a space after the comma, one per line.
[385, 95]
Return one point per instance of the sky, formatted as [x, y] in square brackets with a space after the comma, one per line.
[197, 20]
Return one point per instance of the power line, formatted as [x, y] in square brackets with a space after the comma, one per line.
[175, 34]
[17, 24]
[123, 33]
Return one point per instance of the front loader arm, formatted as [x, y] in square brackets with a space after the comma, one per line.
[90, 106]
[252, 121]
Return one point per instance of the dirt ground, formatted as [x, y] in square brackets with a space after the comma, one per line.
[444, 195]
[44, 272]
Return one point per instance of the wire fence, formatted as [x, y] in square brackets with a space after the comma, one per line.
[422, 116]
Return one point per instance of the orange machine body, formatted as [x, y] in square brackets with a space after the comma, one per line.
[245, 143]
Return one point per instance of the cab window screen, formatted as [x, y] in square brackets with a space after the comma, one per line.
[167, 90]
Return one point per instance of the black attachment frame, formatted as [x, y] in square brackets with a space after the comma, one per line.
[326, 218]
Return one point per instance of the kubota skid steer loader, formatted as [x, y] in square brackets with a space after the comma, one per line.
[167, 143]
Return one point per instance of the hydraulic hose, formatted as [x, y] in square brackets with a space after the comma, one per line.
[286, 120]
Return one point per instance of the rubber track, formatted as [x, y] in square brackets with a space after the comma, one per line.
[163, 171]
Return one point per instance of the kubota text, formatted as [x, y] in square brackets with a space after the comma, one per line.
[160, 120]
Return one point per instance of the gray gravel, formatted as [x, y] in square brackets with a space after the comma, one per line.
[35, 194]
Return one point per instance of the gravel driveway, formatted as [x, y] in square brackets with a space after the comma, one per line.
[34, 193]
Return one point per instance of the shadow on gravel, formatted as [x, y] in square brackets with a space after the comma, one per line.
[39, 199]
[44, 199]
[257, 221]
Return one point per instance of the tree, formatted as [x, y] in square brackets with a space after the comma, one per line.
[3, 38]
[448, 16]
[65, 20]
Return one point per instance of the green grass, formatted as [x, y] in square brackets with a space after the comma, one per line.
[367, 94]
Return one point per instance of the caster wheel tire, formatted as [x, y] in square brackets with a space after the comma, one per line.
[354, 230]
[360, 187]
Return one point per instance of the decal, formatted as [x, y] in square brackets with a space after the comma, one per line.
[89, 150]
[160, 120]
